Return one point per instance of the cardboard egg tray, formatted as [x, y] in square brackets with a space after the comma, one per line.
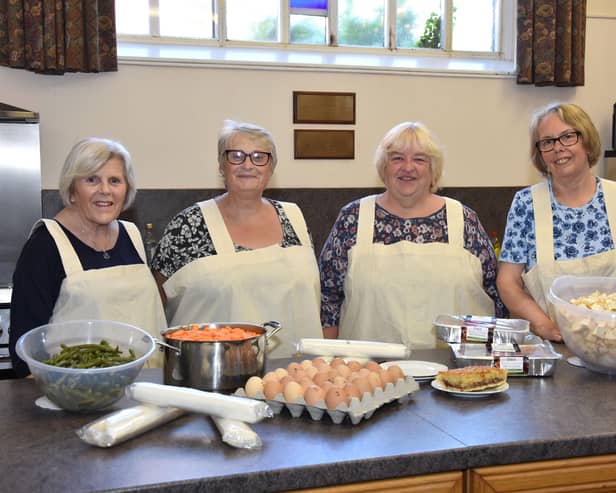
[357, 409]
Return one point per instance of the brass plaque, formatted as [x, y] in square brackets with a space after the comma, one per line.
[324, 107]
[324, 144]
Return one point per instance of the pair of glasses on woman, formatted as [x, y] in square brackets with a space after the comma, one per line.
[567, 139]
[258, 158]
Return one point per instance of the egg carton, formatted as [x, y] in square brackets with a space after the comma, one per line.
[356, 410]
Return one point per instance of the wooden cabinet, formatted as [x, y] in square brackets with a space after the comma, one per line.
[581, 475]
[446, 482]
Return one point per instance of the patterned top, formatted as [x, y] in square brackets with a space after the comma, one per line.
[578, 231]
[388, 229]
[187, 238]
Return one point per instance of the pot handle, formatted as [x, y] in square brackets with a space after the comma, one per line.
[161, 343]
[275, 327]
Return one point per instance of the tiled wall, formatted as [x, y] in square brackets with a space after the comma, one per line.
[320, 206]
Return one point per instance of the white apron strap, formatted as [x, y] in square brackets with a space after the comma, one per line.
[297, 221]
[609, 196]
[135, 237]
[216, 227]
[542, 208]
[365, 222]
[455, 222]
[70, 260]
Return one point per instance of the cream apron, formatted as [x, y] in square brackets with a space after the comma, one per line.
[124, 293]
[255, 286]
[394, 292]
[539, 278]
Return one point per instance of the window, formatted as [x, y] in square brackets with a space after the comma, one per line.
[411, 28]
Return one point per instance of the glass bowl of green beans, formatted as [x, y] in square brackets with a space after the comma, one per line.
[84, 365]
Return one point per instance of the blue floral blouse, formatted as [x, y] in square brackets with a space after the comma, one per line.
[578, 231]
[389, 229]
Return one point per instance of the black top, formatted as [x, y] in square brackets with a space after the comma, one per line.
[39, 274]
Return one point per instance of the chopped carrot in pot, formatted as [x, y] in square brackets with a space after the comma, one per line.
[205, 334]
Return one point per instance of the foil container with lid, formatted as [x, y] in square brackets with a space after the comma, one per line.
[533, 359]
[480, 329]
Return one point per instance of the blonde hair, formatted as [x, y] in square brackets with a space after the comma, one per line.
[573, 115]
[258, 134]
[400, 138]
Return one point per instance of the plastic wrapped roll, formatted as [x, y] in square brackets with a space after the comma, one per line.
[358, 349]
[237, 433]
[199, 401]
[125, 424]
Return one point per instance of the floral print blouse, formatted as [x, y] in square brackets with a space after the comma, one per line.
[187, 238]
[578, 231]
[388, 229]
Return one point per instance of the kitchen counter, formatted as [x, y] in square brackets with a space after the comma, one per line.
[570, 414]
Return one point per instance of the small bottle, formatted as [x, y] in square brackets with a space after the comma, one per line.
[495, 243]
[149, 242]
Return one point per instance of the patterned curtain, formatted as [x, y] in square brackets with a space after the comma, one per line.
[551, 42]
[58, 36]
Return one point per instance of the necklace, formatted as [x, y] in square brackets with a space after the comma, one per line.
[106, 254]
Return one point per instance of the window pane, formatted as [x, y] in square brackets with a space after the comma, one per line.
[473, 25]
[418, 23]
[360, 22]
[308, 4]
[308, 29]
[186, 18]
[132, 16]
[248, 20]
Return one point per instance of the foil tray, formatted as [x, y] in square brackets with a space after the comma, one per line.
[520, 360]
[477, 329]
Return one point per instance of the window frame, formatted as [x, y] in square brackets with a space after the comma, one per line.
[142, 49]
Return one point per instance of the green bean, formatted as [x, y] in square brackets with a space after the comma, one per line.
[90, 355]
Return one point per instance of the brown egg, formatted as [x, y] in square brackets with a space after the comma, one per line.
[253, 386]
[385, 377]
[293, 368]
[372, 365]
[314, 394]
[319, 362]
[293, 391]
[306, 364]
[272, 388]
[312, 371]
[396, 372]
[285, 380]
[321, 377]
[364, 372]
[281, 372]
[337, 362]
[270, 375]
[354, 365]
[352, 390]
[326, 385]
[362, 384]
[343, 371]
[375, 380]
[339, 381]
[335, 396]
[305, 382]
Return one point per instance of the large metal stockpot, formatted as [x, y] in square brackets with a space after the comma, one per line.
[217, 365]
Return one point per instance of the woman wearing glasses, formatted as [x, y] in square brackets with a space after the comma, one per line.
[240, 256]
[563, 225]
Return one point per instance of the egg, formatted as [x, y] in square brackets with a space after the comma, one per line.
[281, 372]
[270, 375]
[354, 365]
[305, 382]
[375, 380]
[254, 385]
[396, 372]
[364, 372]
[344, 371]
[319, 362]
[321, 377]
[362, 384]
[312, 371]
[314, 394]
[286, 379]
[337, 362]
[335, 396]
[294, 368]
[372, 366]
[339, 381]
[385, 377]
[306, 364]
[293, 391]
[352, 390]
[272, 388]
[326, 385]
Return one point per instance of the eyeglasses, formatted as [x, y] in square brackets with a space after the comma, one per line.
[568, 139]
[258, 158]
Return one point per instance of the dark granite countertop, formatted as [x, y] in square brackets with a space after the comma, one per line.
[572, 413]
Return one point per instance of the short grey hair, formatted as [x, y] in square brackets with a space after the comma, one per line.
[400, 137]
[231, 128]
[86, 158]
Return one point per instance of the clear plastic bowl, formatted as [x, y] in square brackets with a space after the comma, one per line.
[77, 389]
[589, 334]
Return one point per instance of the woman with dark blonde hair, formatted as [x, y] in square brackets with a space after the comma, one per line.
[563, 225]
[394, 261]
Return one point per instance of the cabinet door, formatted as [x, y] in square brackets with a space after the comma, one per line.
[447, 482]
[581, 475]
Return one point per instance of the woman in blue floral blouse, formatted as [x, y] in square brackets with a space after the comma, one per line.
[394, 261]
[563, 225]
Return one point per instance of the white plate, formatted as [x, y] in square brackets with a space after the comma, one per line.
[419, 370]
[470, 395]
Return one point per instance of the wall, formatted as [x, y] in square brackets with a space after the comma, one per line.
[168, 117]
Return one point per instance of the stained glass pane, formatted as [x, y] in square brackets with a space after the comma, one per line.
[308, 4]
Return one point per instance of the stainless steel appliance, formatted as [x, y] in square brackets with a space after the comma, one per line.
[20, 200]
